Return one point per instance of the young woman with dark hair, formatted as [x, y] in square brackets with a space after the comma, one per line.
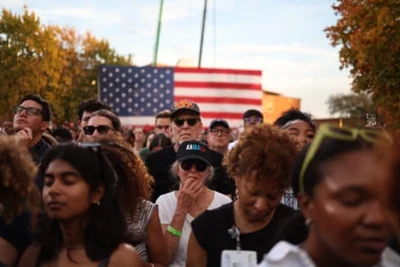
[83, 223]
[342, 223]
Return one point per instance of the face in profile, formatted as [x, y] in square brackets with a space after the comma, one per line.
[258, 201]
[65, 193]
[345, 211]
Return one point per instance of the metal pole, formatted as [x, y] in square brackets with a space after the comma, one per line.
[158, 33]
[202, 32]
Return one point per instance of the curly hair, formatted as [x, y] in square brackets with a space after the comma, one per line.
[134, 180]
[266, 151]
[17, 190]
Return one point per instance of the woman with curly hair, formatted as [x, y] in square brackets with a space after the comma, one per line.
[18, 197]
[260, 164]
[134, 190]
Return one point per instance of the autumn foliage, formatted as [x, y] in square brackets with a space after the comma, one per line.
[368, 34]
[55, 62]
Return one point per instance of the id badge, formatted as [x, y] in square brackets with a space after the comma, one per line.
[238, 258]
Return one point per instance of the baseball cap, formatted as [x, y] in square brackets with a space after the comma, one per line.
[219, 122]
[194, 150]
[184, 104]
[252, 112]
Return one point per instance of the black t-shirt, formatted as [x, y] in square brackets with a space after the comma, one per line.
[211, 232]
[159, 164]
[18, 232]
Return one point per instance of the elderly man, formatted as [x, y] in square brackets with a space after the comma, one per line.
[186, 126]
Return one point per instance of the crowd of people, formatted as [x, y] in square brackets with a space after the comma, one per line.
[186, 194]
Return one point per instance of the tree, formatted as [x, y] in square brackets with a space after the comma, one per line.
[49, 60]
[368, 34]
[350, 105]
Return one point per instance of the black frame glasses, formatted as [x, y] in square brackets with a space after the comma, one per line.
[29, 110]
[190, 121]
[101, 129]
[187, 165]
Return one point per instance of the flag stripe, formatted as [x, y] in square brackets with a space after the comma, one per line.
[209, 70]
[225, 100]
[207, 85]
[226, 108]
[187, 92]
[215, 77]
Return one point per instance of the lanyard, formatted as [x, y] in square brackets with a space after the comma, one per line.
[234, 233]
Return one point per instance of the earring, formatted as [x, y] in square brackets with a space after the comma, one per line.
[308, 222]
[97, 203]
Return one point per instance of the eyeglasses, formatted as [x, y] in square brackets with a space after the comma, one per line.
[190, 121]
[252, 120]
[101, 129]
[160, 127]
[345, 134]
[222, 131]
[200, 165]
[29, 110]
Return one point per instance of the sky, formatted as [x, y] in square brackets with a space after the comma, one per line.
[283, 38]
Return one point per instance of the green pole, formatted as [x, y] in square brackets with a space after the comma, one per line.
[202, 32]
[158, 33]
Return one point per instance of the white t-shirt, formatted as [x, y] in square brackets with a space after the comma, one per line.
[285, 254]
[166, 209]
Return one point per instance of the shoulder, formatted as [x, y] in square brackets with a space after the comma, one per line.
[220, 199]
[125, 255]
[166, 200]
[285, 254]
[215, 215]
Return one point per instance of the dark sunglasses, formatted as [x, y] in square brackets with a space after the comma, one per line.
[200, 165]
[101, 129]
[253, 120]
[29, 110]
[160, 127]
[190, 121]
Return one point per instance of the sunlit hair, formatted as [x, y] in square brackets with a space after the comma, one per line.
[104, 225]
[17, 190]
[265, 151]
[134, 180]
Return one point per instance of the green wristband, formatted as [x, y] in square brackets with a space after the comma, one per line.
[174, 231]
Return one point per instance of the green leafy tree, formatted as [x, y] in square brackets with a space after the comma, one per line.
[55, 62]
[368, 34]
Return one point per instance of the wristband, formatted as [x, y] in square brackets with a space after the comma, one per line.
[174, 231]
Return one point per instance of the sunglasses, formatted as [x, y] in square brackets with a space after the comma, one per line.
[345, 134]
[101, 129]
[29, 110]
[190, 121]
[160, 127]
[200, 165]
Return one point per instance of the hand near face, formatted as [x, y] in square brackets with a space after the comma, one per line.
[188, 193]
[24, 137]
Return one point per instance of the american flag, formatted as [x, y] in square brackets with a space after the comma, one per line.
[138, 93]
